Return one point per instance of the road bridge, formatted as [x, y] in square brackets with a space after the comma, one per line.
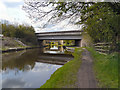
[60, 35]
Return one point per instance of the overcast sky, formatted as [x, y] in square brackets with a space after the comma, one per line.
[11, 10]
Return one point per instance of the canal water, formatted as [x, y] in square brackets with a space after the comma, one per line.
[31, 68]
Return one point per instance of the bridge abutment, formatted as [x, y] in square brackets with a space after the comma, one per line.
[78, 43]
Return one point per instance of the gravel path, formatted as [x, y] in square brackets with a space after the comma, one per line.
[86, 78]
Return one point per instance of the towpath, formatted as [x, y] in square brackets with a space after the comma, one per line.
[86, 77]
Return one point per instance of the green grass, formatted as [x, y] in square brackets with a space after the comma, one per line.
[106, 68]
[67, 52]
[66, 76]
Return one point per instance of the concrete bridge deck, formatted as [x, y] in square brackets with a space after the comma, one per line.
[59, 35]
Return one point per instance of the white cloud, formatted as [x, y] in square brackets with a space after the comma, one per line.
[2, 9]
[62, 26]
[18, 15]
[4, 12]
[13, 14]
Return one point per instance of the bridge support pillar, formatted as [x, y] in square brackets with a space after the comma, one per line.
[78, 43]
[40, 43]
[61, 42]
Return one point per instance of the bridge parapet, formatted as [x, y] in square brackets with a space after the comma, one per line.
[61, 33]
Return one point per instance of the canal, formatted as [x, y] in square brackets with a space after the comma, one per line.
[31, 68]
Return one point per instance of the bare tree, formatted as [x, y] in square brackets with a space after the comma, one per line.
[54, 12]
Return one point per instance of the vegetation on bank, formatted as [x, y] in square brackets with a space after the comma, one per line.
[86, 40]
[8, 42]
[106, 68]
[24, 33]
[22, 60]
[65, 43]
[66, 76]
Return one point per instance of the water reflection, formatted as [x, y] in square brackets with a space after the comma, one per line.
[28, 79]
[31, 68]
[54, 49]
[20, 60]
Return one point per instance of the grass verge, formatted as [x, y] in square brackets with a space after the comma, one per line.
[66, 76]
[106, 68]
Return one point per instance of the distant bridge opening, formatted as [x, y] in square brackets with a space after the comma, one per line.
[60, 35]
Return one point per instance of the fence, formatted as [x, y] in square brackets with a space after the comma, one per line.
[103, 48]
